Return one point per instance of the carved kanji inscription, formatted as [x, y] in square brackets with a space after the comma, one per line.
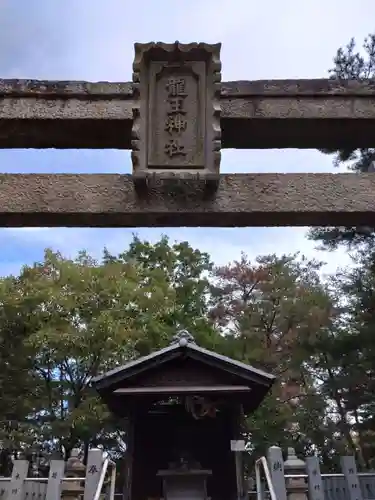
[176, 122]
[176, 87]
[177, 102]
[176, 114]
[174, 148]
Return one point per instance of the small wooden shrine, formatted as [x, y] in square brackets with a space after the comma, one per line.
[183, 405]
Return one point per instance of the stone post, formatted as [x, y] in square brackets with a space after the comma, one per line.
[316, 487]
[296, 487]
[349, 469]
[73, 490]
[276, 466]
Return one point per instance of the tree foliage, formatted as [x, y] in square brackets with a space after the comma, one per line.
[64, 321]
[74, 319]
[272, 311]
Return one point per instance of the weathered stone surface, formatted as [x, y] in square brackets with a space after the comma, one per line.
[176, 114]
[241, 200]
[302, 87]
[87, 90]
[64, 89]
[260, 114]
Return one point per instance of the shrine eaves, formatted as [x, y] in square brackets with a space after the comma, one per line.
[175, 117]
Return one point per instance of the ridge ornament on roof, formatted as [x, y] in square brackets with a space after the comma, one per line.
[183, 337]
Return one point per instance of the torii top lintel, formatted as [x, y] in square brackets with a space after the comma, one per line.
[309, 113]
[175, 116]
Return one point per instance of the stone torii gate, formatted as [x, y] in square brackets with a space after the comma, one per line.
[175, 117]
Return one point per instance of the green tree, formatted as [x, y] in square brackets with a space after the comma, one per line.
[19, 387]
[354, 349]
[83, 317]
[186, 271]
[89, 317]
[343, 362]
[271, 312]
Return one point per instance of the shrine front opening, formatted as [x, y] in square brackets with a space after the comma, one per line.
[184, 407]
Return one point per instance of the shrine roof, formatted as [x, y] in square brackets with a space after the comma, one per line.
[182, 345]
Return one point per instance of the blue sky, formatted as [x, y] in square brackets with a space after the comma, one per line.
[93, 40]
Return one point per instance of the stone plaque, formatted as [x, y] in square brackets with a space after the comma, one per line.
[176, 115]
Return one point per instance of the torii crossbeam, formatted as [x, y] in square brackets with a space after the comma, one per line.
[259, 114]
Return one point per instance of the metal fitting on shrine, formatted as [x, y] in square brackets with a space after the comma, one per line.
[176, 130]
